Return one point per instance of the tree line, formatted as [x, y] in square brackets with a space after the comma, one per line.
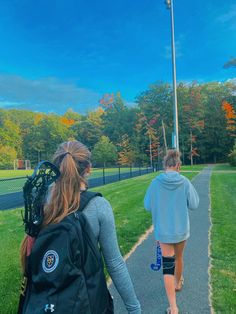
[117, 133]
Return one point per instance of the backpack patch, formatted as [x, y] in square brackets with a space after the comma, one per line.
[50, 261]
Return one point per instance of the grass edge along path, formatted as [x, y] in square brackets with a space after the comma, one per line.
[132, 221]
[223, 242]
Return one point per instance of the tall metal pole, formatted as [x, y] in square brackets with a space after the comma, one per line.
[176, 128]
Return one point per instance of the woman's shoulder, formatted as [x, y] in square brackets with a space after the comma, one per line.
[185, 179]
[157, 178]
[100, 201]
[102, 205]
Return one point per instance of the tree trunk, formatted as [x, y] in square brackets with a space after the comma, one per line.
[183, 159]
[191, 148]
[150, 147]
[164, 136]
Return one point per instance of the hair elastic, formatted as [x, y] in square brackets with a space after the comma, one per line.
[66, 154]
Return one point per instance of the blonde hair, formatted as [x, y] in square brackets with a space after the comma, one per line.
[172, 158]
[72, 159]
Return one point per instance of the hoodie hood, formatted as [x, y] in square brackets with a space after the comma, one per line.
[170, 180]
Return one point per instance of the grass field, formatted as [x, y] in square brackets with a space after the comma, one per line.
[96, 172]
[11, 186]
[193, 168]
[223, 238]
[223, 167]
[4, 174]
[131, 219]
[16, 183]
[7, 187]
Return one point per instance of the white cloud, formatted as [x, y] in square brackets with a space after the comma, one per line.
[228, 16]
[178, 52]
[45, 94]
[232, 80]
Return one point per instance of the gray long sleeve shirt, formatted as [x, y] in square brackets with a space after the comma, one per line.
[100, 216]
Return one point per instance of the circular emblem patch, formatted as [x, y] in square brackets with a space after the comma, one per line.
[50, 261]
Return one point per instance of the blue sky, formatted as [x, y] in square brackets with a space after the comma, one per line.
[57, 54]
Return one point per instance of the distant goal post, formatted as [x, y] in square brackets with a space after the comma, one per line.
[22, 164]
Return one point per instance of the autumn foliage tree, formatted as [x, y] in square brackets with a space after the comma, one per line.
[230, 116]
[191, 118]
[141, 133]
[126, 153]
[147, 136]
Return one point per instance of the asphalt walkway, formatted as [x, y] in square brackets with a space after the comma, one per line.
[149, 287]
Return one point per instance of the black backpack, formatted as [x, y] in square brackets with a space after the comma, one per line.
[65, 271]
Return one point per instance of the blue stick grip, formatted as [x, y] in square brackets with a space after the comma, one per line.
[157, 266]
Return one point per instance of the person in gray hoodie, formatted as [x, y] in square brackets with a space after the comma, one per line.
[168, 198]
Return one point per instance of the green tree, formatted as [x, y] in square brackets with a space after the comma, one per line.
[206, 127]
[25, 120]
[87, 132]
[104, 151]
[7, 157]
[156, 107]
[72, 115]
[118, 120]
[191, 118]
[232, 156]
[95, 117]
[147, 138]
[10, 136]
[47, 133]
[215, 140]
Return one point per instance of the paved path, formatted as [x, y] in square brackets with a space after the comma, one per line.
[194, 298]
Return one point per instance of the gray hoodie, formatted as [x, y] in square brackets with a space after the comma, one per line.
[168, 198]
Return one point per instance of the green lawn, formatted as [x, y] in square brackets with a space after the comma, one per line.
[131, 219]
[223, 239]
[193, 168]
[11, 186]
[223, 167]
[96, 172]
[7, 187]
[11, 233]
[4, 174]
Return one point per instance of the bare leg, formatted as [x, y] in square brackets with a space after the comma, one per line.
[169, 280]
[179, 264]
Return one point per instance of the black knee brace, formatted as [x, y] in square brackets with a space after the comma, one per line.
[168, 263]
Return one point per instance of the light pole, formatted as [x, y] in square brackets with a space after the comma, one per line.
[175, 140]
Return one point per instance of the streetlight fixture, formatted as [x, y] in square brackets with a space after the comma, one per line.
[175, 139]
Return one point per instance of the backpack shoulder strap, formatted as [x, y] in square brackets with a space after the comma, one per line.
[85, 198]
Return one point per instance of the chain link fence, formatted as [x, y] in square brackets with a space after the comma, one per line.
[11, 195]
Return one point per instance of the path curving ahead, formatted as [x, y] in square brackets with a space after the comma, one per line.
[149, 287]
